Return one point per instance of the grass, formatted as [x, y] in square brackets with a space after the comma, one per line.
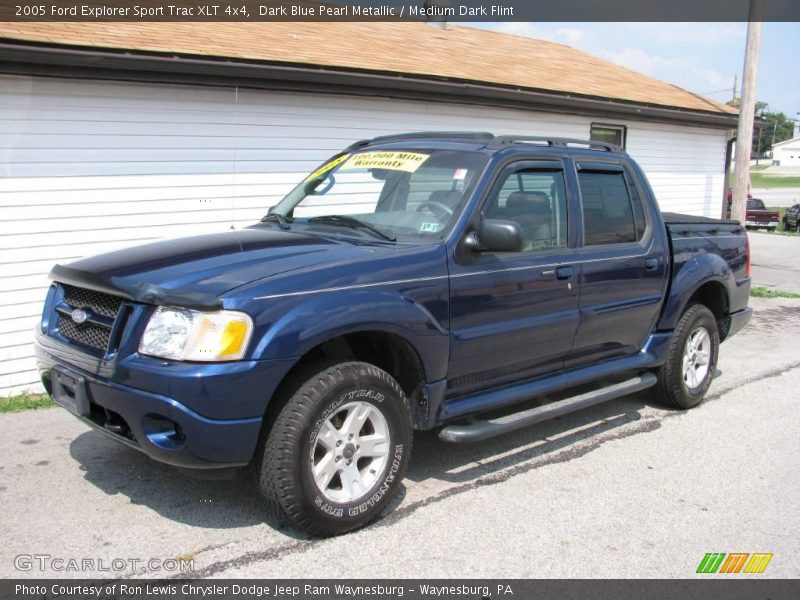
[759, 180]
[762, 292]
[25, 402]
[779, 209]
[776, 232]
[780, 231]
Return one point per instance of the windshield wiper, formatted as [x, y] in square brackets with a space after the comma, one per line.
[280, 220]
[348, 221]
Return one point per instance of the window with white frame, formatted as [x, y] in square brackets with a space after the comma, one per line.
[611, 134]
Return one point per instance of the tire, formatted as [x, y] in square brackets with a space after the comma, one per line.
[312, 432]
[683, 389]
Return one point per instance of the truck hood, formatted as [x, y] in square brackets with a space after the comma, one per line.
[196, 271]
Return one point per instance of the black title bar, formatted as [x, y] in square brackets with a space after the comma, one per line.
[739, 588]
[394, 10]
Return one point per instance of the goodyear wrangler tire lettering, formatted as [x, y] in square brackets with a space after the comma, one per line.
[337, 451]
[385, 486]
[378, 397]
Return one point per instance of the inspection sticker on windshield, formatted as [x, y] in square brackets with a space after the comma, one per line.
[429, 228]
[394, 161]
[460, 174]
[328, 166]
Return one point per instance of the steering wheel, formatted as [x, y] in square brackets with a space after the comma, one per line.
[442, 211]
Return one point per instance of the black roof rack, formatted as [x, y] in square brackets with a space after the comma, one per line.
[461, 136]
[491, 140]
[507, 140]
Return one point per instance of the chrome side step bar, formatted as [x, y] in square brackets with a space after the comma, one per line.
[482, 430]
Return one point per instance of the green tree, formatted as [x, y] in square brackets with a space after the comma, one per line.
[778, 128]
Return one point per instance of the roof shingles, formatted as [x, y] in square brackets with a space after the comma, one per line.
[459, 53]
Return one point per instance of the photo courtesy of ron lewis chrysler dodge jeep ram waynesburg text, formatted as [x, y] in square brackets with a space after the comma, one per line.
[412, 282]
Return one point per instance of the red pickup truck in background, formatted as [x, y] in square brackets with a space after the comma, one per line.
[757, 215]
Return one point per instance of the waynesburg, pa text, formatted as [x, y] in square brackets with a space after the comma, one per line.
[256, 590]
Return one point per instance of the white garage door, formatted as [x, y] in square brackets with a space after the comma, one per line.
[86, 167]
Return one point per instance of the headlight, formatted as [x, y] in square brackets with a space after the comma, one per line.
[184, 334]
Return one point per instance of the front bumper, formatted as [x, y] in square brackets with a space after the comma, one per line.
[164, 426]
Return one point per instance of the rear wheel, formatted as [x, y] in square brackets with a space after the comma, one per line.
[338, 449]
[686, 376]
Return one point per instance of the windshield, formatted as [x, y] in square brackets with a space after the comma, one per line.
[755, 204]
[398, 193]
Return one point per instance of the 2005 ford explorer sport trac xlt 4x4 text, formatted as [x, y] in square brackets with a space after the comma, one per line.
[417, 281]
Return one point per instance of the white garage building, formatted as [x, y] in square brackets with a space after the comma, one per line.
[114, 134]
[787, 153]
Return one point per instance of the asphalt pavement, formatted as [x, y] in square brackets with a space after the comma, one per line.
[775, 260]
[626, 489]
[777, 196]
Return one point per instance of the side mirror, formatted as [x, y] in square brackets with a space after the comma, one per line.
[496, 235]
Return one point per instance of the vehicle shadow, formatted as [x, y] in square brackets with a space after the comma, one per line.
[459, 463]
[234, 503]
[116, 469]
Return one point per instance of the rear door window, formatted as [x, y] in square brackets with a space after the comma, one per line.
[612, 210]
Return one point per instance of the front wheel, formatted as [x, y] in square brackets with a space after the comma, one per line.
[338, 450]
[686, 376]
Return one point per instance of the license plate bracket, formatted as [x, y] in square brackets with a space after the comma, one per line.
[70, 392]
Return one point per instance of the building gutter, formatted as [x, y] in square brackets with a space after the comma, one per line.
[28, 58]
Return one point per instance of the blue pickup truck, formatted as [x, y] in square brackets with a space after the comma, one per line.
[411, 282]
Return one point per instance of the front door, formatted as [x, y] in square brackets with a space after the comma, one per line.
[514, 314]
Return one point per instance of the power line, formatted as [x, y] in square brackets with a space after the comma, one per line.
[726, 90]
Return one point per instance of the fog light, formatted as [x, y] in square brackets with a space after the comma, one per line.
[163, 432]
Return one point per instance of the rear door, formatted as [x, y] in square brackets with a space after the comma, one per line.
[623, 258]
[514, 314]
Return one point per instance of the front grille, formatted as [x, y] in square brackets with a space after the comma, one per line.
[105, 309]
[98, 302]
[88, 334]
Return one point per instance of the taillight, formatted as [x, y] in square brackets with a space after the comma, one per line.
[747, 249]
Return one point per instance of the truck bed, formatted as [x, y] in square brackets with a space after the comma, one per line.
[681, 219]
[695, 242]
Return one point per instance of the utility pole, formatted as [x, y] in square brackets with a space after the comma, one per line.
[758, 152]
[744, 136]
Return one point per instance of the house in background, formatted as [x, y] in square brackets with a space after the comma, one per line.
[119, 133]
[787, 153]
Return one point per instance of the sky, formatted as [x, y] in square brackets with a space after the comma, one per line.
[700, 57]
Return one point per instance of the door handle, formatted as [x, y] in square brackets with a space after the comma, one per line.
[549, 274]
[651, 264]
[564, 272]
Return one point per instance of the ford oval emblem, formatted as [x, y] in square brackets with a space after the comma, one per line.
[79, 315]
